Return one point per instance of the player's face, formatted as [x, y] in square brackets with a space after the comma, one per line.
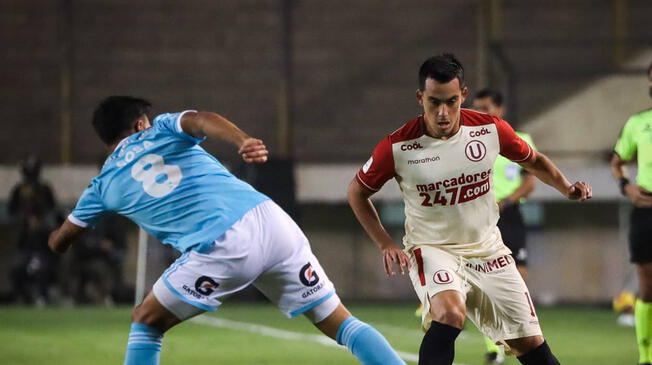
[441, 104]
[485, 105]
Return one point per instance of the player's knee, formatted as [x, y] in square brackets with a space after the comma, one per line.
[140, 314]
[452, 316]
[524, 345]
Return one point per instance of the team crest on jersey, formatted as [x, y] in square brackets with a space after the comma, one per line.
[308, 276]
[475, 150]
[443, 277]
[367, 165]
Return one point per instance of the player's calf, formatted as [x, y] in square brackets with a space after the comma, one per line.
[448, 311]
[150, 320]
[364, 341]
[438, 344]
[533, 350]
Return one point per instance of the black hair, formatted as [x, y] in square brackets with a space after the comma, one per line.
[649, 69]
[442, 68]
[495, 96]
[116, 115]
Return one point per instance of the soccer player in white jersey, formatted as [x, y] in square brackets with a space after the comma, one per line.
[229, 234]
[459, 266]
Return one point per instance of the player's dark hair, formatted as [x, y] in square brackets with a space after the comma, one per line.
[117, 114]
[649, 69]
[495, 96]
[442, 68]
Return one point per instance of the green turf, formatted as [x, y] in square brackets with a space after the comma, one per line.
[578, 336]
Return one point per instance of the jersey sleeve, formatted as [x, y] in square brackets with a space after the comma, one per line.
[89, 207]
[171, 123]
[626, 144]
[512, 146]
[379, 168]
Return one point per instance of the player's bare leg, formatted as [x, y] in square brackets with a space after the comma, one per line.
[332, 323]
[532, 350]
[643, 312]
[448, 311]
[367, 344]
[448, 307]
[149, 321]
[154, 314]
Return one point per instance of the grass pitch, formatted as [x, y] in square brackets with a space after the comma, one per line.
[97, 336]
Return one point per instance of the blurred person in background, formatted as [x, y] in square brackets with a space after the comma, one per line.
[512, 184]
[95, 271]
[32, 207]
[634, 144]
[459, 266]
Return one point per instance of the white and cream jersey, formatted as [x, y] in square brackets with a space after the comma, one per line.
[447, 184]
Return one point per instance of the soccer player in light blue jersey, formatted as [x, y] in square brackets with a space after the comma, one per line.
[229, 234]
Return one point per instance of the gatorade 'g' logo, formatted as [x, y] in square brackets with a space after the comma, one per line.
[308, 276]
[205, 285]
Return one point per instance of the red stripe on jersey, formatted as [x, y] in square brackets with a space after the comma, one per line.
[417, 256]
[363, 184]
[511, 145]
[380, 167]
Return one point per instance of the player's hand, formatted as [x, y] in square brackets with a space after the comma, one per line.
[253, 150]
[394, 255]
[638, 196]
[580, 191]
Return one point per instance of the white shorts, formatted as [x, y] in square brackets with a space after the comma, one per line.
[497, 299]
[264, 248]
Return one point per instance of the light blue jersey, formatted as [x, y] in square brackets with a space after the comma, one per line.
[168, 185]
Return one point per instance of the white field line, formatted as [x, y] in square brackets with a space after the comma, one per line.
[283, 334]
[402, 331]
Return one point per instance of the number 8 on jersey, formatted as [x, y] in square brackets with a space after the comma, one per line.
[158, 178]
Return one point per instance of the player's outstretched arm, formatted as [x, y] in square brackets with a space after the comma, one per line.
[61, 239]
[544, 169]
[364, 210]
[213, 125]
[631, 190]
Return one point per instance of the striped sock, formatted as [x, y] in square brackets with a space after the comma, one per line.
[144, 346]
[367, 344]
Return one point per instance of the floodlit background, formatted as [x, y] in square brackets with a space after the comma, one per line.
[321, 82]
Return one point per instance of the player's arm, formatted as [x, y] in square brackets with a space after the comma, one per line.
[213, 125]
[365, 212]
[632, 191]
[516, 149]
[545, 170]
[61, 239]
